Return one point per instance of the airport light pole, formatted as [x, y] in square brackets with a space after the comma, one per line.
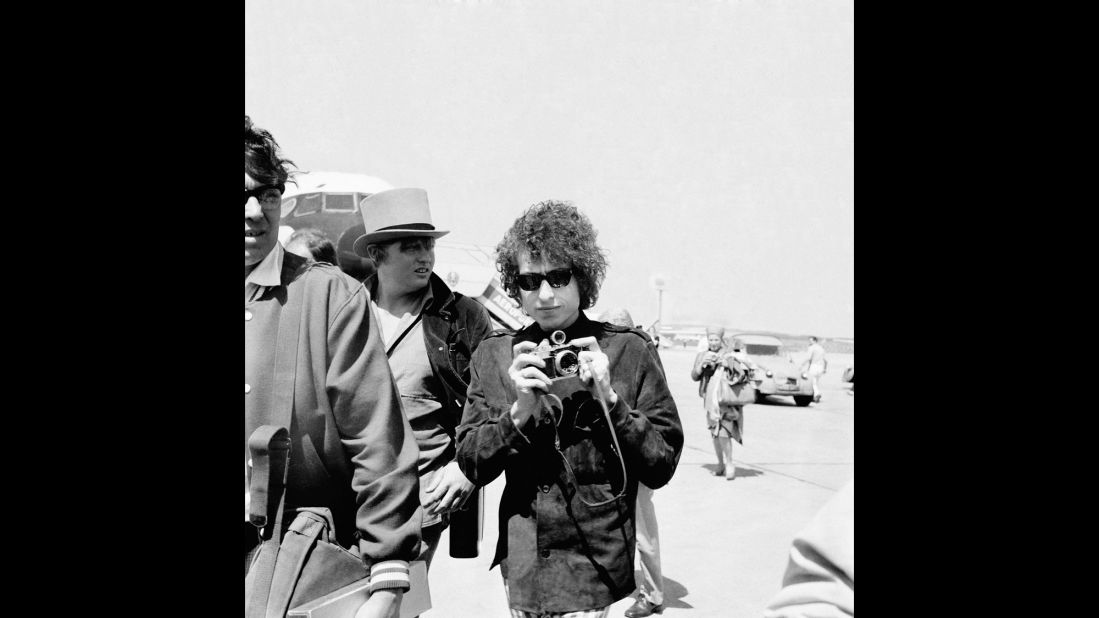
[658, 283]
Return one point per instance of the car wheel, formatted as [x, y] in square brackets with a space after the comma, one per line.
[803, 400]
[761, 397]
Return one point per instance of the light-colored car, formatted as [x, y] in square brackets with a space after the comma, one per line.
[774, 371]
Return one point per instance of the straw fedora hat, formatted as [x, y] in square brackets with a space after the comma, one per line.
[396, 213]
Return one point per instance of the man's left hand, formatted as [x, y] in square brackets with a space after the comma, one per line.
[595, 370]
[450, 493]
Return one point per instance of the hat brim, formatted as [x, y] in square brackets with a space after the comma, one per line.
[375, 237]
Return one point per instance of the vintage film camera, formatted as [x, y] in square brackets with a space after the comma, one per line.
[560, 357]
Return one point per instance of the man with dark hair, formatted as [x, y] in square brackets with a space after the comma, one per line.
[310, 344]
[312, 244]
[430, 333]
[574, 447]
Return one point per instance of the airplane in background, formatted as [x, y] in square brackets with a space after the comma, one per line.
[329, 202]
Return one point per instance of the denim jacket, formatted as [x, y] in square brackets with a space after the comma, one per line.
[557, 553]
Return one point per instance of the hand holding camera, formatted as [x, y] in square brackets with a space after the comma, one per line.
[527, 377]
[535, 368]
[595, 370]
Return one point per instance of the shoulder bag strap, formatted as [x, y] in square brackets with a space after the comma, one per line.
[397, 341]
[272, 445]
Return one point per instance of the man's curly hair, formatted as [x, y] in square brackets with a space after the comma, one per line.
[554, 232]
[262, 159]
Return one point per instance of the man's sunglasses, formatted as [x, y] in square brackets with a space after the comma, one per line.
[529, 282]
[267, 194]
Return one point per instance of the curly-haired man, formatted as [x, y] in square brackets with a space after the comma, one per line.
[575, 445]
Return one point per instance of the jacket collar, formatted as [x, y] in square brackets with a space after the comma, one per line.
[291, 264]
[442, 297]
[582, 327]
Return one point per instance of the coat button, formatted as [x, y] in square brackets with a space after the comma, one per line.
[247, 388]
[247, 315]
[545, 553]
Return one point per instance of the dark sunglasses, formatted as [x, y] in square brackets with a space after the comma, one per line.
[559, 278]
[264, 194]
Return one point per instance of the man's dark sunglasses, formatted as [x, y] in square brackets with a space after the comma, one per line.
[259, 191]
[532, 281]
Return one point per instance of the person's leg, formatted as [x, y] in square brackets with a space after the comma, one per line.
[720, 456]
[727, 449]
[814, 377]
[650, 584]
[431, 536]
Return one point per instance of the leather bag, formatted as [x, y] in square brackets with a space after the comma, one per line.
[303, 562]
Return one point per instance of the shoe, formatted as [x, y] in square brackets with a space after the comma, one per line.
[731, 474]
[642, 607]
[720, 471]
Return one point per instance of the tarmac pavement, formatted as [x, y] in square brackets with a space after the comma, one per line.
[724, 544]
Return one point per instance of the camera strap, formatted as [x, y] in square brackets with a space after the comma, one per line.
[616, 447]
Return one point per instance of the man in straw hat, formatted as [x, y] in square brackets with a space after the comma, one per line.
[430, 333]
[352, 451]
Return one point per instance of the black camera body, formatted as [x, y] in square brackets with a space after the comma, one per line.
[561, 357]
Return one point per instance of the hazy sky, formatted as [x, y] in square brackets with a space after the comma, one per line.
[710, 142]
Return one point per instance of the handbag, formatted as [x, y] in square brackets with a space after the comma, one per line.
[733, 386]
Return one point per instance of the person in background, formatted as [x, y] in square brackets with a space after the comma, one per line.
[820, 576]
[313, 244]
[649, 579]
[725, 422]
[817, 366]
[574, 449]
[352, 451]
[430, 333]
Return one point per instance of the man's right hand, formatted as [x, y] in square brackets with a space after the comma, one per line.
[527, 377]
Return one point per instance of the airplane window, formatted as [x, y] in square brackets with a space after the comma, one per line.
[308, 204]
[339, 202]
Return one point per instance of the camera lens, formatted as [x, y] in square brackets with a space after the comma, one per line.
[566, 362]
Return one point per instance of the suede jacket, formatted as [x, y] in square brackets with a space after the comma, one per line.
[557, 551]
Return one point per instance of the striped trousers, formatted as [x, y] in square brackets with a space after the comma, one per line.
[585, 613]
